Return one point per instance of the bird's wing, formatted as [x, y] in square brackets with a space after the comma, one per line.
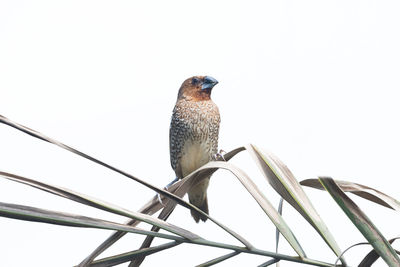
[178, 133]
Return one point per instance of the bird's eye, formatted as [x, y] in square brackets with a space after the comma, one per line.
[195, 80]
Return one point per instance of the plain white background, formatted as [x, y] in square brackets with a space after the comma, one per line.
[315, 82]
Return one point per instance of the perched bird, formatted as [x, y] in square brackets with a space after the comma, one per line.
[193, 135]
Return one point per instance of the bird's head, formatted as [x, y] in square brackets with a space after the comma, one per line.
[197, 88]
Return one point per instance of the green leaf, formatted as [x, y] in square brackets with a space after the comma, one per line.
[360, 190]
[263, 202]
[33, 214]
[125, 257]
[153, 206]
[270, 262]
[185, 184]
[90, 201]
[158, 190]
[373, 256]
[362, 222]
[277, 233]
[66, 219]
[286, 185]
[79, 153]
[219, 259]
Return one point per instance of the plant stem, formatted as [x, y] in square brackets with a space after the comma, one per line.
[256, 251]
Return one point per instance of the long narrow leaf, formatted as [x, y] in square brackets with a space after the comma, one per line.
[362, 222]
[373, 256]
[66, 219]
[270, 262]
[277, 233]
[179, 188]
[165, 213]
[158, 190]
[360, 190]
[33, 214]
[263, 202]
[77, 152]
[257, 195]
[149, 208]
[187, 182]
[256, 251]
[219, 259]
[286, 185]
[66, 193]
[125, 257]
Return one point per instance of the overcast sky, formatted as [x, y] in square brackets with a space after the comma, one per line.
[315, 82]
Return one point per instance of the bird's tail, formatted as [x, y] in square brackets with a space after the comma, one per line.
[198, 197]
[204, 207]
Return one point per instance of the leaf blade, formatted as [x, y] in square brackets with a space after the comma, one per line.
[286, 185]
[372, 256]
[45, 138]
[29, 213]
[125, 257]
[362, 222]
[264, 203]
[360, 190]
[150, 207]
[219, 259]
[99, 204]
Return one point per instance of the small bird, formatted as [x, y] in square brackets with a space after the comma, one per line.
[193, 135]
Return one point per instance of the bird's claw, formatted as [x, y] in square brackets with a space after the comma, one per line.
[166, 188]
[159, 198]
[219, 156]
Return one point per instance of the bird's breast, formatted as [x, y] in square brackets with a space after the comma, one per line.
[193, 135]
[195, 154]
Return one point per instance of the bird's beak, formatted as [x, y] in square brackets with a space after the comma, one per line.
[208, 83]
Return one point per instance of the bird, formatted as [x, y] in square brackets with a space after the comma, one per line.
[193, 136]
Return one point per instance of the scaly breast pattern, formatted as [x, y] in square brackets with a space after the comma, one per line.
[193, 135]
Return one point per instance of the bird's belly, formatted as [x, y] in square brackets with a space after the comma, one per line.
[195, 154]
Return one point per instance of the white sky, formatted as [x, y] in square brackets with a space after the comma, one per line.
[315, 82]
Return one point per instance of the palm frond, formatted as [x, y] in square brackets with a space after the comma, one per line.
[362, 222]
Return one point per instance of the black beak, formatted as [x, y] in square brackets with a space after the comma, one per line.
[208, 83]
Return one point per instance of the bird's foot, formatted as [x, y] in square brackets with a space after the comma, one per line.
[219, 156]
[166, 188]
[159, 199]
